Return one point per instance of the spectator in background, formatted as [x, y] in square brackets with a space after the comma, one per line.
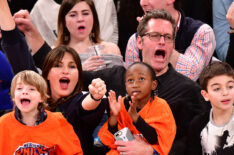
[78, 27]
[194, 42]
[221, 27]
[47, 25]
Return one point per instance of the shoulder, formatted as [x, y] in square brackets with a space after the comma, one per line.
[57, 117]
[197, 26]
[104, 2]
[186, 89]
[205, 29]
[133, 37]
[160, 100]
[44, 3]
[191, 26]
[161, 103]
[110, 48]
[178, 77]
[6, 118]
[132, 42]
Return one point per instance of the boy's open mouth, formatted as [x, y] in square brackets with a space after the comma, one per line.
[25, 101]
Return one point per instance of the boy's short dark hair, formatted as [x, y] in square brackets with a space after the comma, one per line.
[212, 70]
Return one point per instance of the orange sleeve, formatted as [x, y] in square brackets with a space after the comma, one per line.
[163, 122]
[106, 137]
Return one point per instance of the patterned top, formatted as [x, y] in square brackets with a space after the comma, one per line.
[195, 58]
[217, 139]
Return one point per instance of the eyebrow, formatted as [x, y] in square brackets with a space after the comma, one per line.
[75, 11]
[71, 62]
[159, 33]
[141, 74]
[231, 81]
[215, 84]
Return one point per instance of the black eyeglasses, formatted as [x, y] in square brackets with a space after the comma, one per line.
[155, 36]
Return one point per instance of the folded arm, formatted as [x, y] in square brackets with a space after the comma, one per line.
[198, 54]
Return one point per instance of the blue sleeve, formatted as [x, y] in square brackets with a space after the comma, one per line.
[221, 27]
[6, 74]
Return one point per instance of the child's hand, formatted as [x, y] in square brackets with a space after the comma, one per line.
[97, 88]
[132, 109]
[114, 105]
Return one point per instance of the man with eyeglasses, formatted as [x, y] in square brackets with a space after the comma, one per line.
[194, 41]
[156, 36]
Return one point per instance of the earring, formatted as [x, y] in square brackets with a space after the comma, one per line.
[91, 36]
[66, 38]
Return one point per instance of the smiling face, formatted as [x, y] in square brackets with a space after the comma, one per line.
[157, 53]
[220, 92]
[139, 82]
[63, 77]
[26, 97]
[79, 21]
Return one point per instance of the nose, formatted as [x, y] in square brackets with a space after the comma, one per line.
[225, 92]
[162, 40]
[135, 84]
[65, 70]
[25, 91]
[80, 18]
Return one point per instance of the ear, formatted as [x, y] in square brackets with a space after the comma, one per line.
[42, 100]
[154, 85]
[139, 42]
[205, 95]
